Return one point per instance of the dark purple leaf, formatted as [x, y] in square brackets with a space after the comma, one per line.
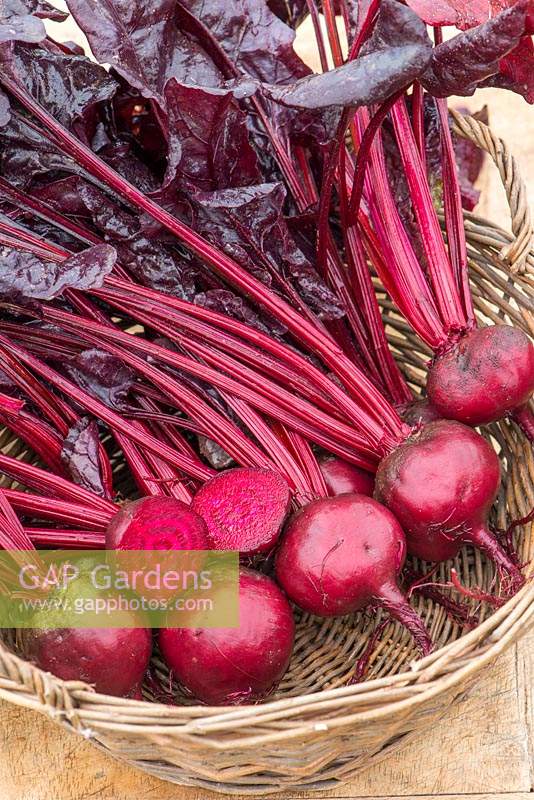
[254, 39]
[160, 267]
[25, 153]
[209, 146]
[67, 86]
[20, 20]
[397, 53]
[102, 375]
[37, 8]
[80, 456]
[248, 224]
[22, 29]
[303, 126]
[459, 65]
[76, 198]
[292, 12]
[120, 156]
[142, 42]
[23, 276]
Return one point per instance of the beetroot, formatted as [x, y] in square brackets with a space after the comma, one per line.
[157, 523]
[343, 554]
[114, 660]
[441, 484]
[419, 412]
[488, 374]
[244, 509]
[226, 666]
[343, 478]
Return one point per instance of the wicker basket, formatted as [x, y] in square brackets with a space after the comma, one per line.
[318, 730]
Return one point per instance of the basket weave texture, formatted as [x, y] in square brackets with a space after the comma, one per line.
[317, 730]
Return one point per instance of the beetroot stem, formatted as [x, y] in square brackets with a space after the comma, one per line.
[280, 410]
[54, 485]
[364, 149]
[454, 220]
[66, 539]
[439, 267]
[49, 508]
[316, 22]
[98, 409]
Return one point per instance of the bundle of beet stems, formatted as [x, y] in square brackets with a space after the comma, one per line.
[167, 314]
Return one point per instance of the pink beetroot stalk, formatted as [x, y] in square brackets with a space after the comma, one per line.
[58, 413]
[341, 397]
[59, 511]
[279, 410]
[94, 406]
[65, 538]
[53, 485]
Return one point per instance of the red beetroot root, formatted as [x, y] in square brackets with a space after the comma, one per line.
[488, 374]
[420, 412]
[343, 478]
[227, 666]
[340, 555]
[157, 523]
[244, 509]
[114, 660]
[440, 484]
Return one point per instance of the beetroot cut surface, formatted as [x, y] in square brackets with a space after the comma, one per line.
[157, 523]
[244, 509]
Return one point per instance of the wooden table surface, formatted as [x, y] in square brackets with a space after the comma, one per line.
[483, 749]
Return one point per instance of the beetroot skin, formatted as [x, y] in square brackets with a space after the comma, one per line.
[341, 477]
[244, 509]
[339, 555]
[440, 484]
[420, 412]
[226, 666]
[488, 374]
[114, 660]
[157, 523]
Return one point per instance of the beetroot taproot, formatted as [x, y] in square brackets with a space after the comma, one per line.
[440, 484]
[488, 374]
[113, 660]
[227, 666]
[341, 477]
[343, 554]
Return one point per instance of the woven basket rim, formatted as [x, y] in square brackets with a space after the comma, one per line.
[443, 668]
